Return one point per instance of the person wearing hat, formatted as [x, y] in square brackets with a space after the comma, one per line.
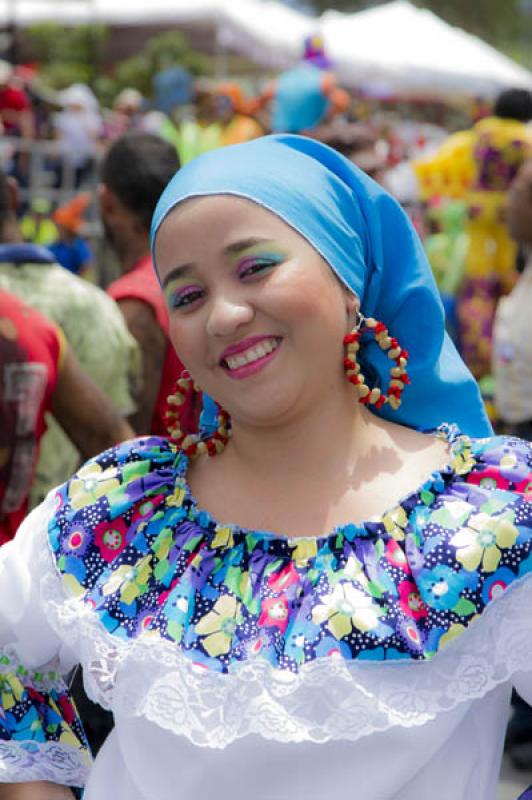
[306, 96]
[70, 249]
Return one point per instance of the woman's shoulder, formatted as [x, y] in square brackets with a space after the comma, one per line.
[108, 491]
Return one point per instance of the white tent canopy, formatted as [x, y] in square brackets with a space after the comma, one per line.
[406, 48]
[394, 47]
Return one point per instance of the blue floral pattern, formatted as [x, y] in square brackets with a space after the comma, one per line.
[132, 544]
[36, 711]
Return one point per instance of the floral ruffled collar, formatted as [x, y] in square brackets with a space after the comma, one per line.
[132, 544]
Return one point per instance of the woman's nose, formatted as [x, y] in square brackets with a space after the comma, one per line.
[227, 314]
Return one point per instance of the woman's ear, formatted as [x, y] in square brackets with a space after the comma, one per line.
[352, 303]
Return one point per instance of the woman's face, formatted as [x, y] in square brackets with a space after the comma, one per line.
[256, 315]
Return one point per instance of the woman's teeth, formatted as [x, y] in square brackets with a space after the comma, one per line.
[253, 354]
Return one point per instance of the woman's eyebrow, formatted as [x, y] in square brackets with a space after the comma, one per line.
[177, 272]
[244, 244]
[232, 249]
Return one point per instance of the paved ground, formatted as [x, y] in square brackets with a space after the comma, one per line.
[512, 782]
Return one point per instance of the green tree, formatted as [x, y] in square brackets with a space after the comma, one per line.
[159, 52]
[68, 55]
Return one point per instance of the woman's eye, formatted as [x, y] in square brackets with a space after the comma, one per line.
[184, 299]
[253, 266]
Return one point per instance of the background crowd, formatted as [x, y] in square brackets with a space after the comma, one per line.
[85, 359]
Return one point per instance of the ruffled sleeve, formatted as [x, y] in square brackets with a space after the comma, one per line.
[41, 736]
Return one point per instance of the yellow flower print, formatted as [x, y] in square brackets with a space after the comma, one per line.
[304, 550]
[463, 462]
[218, 626]
[353, 570]
[130, 579]
[223, 537]
[395, 522]
[347, 607]
[91, 483]
[454, 632]
[177, 496]
[482, 541]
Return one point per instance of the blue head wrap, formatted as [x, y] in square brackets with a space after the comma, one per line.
[369, 242]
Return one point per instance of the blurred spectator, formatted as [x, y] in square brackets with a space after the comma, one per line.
[39, 373]
[36, 225]
[90, 320]
[172, 87]
[126, 115]
[501, 144]
[16, 117]
[306, 95]
[69, 248]
[512, 342]
[79, 127]
[134, 172]
[15, 106]
[234, 112]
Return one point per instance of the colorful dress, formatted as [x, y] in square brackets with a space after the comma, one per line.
[374, 662]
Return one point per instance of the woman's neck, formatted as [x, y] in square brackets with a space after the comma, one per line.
[326, 440]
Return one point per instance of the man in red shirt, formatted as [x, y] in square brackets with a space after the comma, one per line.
[134, 173]
[39, 373]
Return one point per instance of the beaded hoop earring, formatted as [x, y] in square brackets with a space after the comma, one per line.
[192, 444]
[387, 343]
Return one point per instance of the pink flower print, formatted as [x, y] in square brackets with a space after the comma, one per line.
[489, 478]
[525, 488]
[111, 538]
[274, 613]
[396, 555]
[279, 581]
[410, 600]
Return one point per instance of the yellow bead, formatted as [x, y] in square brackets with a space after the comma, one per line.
[384, 341]
[394, 353]
[374, 395]
[396, 371]
[370, 322]
[402, 363]
[398, 384]
[394, 402]
[362, 390]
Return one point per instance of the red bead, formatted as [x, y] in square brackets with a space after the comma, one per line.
[404, 354]
[211, 447]
[404, 377]
[190, 451]
[395, 391]
[364, 400]
[381, 401]
[380, 328]
[349, 364]
[354, 379]
[351, 337]
[394, 343]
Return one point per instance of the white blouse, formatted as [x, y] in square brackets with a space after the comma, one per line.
[400, 730]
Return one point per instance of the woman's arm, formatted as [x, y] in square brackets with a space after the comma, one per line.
[38, 790]
[41, 736]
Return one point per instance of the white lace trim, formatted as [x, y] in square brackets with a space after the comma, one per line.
[329, 699]
[38, 761]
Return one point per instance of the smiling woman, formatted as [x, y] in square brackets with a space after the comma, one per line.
[300, 605]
